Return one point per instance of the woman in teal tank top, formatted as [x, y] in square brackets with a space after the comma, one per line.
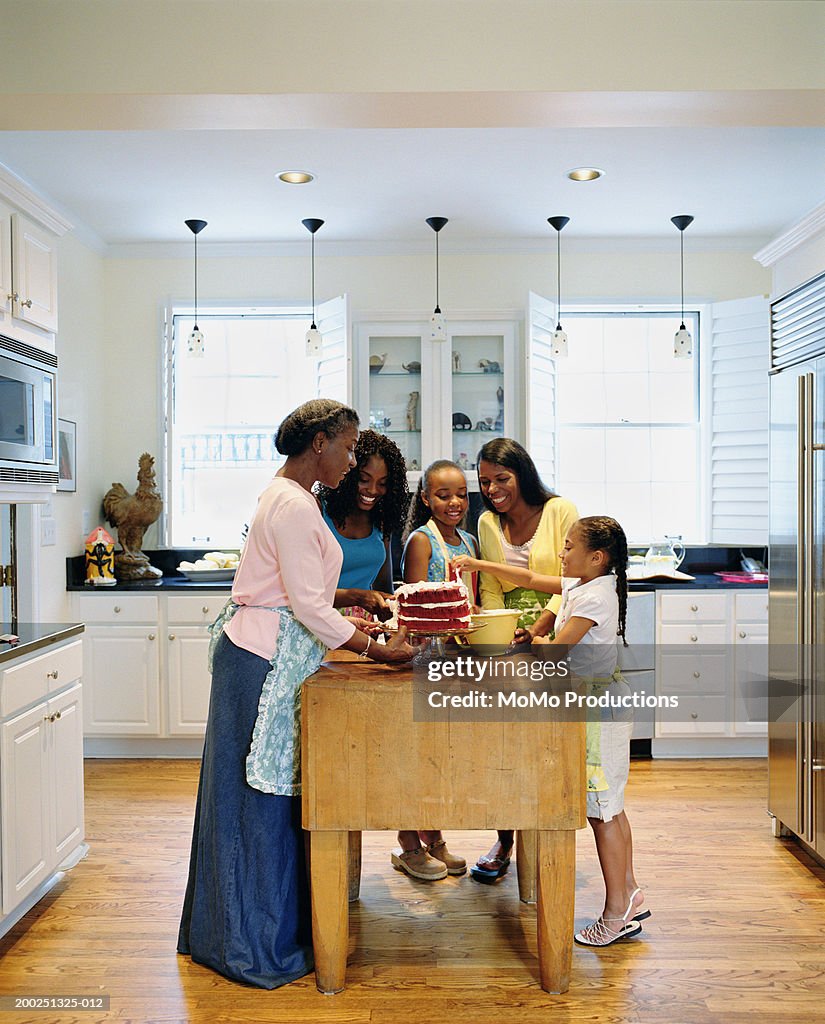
[370, 504]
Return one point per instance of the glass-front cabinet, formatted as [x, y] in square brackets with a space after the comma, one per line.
[435, 399]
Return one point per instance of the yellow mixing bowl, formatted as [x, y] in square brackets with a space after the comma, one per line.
[497, 628]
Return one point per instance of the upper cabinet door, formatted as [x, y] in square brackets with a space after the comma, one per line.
[35, 273]
[5, 261]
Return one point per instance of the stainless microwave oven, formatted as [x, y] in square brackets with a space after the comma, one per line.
[28, 413]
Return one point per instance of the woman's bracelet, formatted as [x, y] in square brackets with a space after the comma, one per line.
[366, 650]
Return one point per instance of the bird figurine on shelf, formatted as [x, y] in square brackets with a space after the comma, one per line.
[131, 515]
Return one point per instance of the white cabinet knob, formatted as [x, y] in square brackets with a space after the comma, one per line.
[27, 303]
[52, 674]
[694, 607]
[151, 636]
[694, 637]
[743, 635]
[172, 636]
[696, 675]
[205, 609]
[694, 714]
[116, 609]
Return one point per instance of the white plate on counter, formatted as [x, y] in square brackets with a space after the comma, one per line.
[641, 574]
[207, 575]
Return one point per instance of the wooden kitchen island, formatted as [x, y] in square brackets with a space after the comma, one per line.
[367, 765]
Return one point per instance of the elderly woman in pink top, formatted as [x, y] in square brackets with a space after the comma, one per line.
[246, 912]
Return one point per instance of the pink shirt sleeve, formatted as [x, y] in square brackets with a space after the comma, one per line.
[290, 559]
[301, 543]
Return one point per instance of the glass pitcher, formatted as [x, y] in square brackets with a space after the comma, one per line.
[662, 558]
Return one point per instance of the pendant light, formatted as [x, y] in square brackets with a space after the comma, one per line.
[313, 335]
[195, 341]
[438, 326]
[559, 349]
[682, 341]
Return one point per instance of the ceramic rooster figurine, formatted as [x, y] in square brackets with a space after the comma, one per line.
[132, 514]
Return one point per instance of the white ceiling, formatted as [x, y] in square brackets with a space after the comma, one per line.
[744, 186]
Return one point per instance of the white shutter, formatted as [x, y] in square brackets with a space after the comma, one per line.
[335, 362]
[740, 348]
[540, 374]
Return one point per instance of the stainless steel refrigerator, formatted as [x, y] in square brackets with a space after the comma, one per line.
[796, 624]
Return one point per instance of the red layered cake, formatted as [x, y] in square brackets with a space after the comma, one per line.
[433, 607]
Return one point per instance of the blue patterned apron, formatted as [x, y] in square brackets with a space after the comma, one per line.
[273, 764]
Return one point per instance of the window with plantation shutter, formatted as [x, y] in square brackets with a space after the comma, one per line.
[541, 386]
[739, 422]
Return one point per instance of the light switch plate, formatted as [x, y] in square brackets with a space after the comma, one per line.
[48, 533]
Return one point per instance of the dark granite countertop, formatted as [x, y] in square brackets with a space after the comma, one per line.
[35, 636]
[700, 562]
[703, 581]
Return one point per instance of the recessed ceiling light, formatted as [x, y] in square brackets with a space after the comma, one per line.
[585, 174]
[296, 177]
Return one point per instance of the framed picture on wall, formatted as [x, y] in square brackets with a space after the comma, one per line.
[66, 455]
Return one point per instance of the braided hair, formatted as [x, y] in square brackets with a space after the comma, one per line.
[504, 451]
[390, 511]
[296, 432]
[419, 512]
[601, 533]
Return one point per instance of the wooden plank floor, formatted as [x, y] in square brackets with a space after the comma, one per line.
[737, 934]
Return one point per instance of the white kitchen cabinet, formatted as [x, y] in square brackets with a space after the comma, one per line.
[122, 664]
[146, 664]
[6, 290]
[709, 643]
[34, 274]
[41, 773]
[187, 677]
[28, 272]
[750, 707]
[437, 400]
[122, 681]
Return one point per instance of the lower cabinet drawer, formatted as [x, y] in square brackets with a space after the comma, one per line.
[695, 606]
[693, 634]
[695, 716]
[116, 608]
[195, 610]
[24, 684]
[697, 673]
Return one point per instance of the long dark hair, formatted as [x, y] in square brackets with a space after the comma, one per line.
[504, 451]
[389, 512]
[419, 512]
[324, 415]
[601, 533]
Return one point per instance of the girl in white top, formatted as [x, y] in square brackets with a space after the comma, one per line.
[591, 618]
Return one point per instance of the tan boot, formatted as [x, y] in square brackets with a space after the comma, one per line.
[418, 864]
[438, 850]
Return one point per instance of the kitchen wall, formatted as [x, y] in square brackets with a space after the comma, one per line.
[83, 349]
[136, 290]
[110, 337]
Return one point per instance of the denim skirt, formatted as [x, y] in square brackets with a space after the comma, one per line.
[246, 912]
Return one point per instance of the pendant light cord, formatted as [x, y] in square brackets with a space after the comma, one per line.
[682, 272]
[437, 303]
[196, 282]
[314, 328]
[558, 280]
